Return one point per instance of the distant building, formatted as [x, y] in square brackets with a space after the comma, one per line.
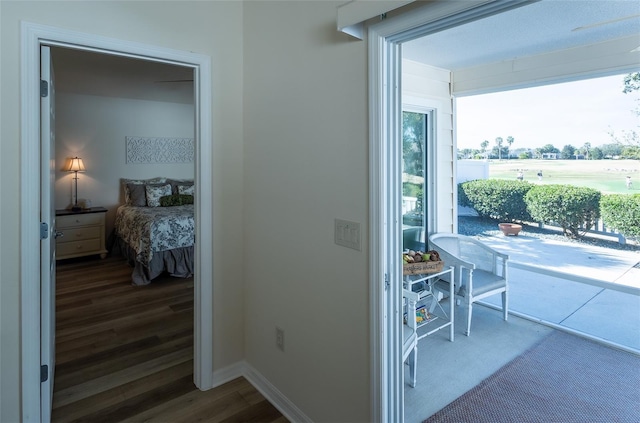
[549, 156]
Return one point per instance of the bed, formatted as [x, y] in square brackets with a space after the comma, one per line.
[155, 228]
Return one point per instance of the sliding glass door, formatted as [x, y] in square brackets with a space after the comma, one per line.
[414, 173]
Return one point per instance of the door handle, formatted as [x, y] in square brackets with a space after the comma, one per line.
[58, 234]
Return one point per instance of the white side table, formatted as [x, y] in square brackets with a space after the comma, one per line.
[439, 318]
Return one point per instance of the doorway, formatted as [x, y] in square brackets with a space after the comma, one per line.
[33, 37]
[386, 107]
[387, 41]
[106, 329]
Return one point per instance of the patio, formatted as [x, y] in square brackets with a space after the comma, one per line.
[592, 290]
[595, 295]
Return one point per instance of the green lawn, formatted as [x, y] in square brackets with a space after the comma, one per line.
[607, 176]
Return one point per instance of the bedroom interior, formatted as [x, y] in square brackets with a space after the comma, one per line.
[128, 127]
[131, 122]
[104, 104]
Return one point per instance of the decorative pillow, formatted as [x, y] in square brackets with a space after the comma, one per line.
[127, 192]
[175, 182]
[154, 192]
[176, 200]
[186, 189]
[137, 195]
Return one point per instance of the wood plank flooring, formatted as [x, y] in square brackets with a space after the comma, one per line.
[125, 353]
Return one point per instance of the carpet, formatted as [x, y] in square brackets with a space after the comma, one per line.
[563, 378]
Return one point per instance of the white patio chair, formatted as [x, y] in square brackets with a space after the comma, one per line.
[410, 335]
[480, 271]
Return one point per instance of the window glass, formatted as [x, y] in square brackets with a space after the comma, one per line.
[413, 180]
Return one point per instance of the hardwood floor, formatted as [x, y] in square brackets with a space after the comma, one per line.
[125, 353]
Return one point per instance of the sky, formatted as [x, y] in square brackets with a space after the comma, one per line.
[560, 114]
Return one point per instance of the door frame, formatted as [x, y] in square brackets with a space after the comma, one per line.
[385, 140]
[47, 245]
[32, 37]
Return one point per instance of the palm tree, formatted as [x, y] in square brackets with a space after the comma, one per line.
[484, 144]
[587, 147]
[499, 141]
[510, 141]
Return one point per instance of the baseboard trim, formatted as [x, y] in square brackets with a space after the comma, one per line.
[266, 388]
[227, 374]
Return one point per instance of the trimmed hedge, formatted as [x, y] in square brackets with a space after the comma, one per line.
[575, 209]
[496, 198]
[622, 213]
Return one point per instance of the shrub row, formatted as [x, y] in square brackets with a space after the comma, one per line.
[575, 209]
[496, 198]
[622, 213]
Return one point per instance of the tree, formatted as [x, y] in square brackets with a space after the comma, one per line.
[586, 148]
[510, 141]
[568, 152]
[630, 138]
[413, 142]
[499, 142]
[596, 154]
[549, 148]
[631, 82]
[484, 144]
[466, 153]
[631, 152]
[611, 150]
[498, 152]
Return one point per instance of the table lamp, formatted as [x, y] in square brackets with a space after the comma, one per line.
[76, 165]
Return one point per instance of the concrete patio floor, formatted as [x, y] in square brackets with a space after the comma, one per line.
[446, 369]
[608, 314]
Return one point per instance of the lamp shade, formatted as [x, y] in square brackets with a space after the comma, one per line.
[75, 165]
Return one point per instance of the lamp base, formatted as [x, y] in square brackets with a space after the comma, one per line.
[76, 208]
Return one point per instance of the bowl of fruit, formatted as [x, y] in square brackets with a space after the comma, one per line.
[419, 262]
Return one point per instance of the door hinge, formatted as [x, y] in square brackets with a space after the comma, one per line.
[386, 282]
[44, 88]
[44, 230]
[44, 373]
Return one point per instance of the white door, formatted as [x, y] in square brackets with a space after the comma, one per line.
[48, 241]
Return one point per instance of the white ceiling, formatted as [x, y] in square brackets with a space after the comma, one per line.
[84, 72]
[541, 27]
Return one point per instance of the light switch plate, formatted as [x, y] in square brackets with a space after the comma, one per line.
[347, 234]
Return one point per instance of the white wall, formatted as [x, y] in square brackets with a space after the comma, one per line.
[306, 163]
[211, 28]
[429, 86]
[469, 170]
[94, 128]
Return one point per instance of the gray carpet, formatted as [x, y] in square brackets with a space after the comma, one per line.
[562, 379]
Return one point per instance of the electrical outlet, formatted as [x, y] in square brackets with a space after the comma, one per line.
[280, 338]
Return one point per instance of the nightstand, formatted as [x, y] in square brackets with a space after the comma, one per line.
[83, 233]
